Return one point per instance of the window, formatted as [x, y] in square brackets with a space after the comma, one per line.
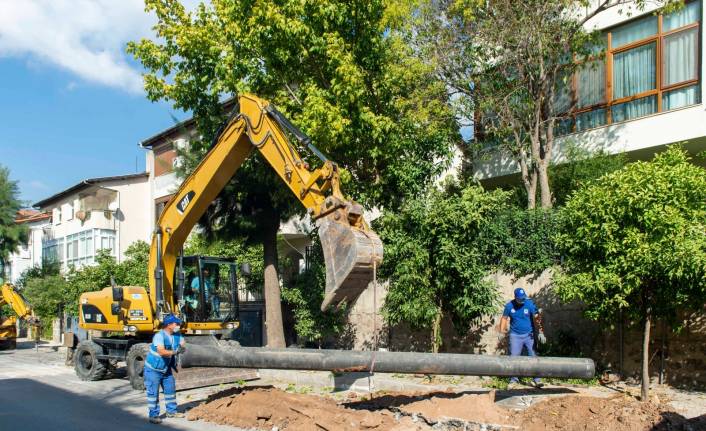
[651, 65]
[56, 215]
[70, 211]
[80, 248]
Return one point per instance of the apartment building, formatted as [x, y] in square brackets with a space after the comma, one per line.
[30, 254]
[107, 213]
[643, 95]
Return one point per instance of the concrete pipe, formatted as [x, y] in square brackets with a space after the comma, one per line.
[386, 362]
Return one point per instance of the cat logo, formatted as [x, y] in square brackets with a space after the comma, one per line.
[185, 201]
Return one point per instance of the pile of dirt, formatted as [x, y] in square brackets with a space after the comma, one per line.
[267, 407]
[436, 407]
[618, 413]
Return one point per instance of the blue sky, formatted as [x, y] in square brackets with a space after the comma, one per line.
[71, 103]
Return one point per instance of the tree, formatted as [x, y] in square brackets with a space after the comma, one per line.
[507, 64]
[432, 264]
[339, 70]
[11, 233]
[634, 241]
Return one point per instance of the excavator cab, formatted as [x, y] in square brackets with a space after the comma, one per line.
[207, 289]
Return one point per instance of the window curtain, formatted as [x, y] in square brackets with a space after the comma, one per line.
[681, 97]
[680, 59]
[634, 71]
[636, 108]
[636, 30]
[591, 84]
[687, 15]
[590, 119]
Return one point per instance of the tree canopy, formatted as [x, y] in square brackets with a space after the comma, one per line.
[11, 233]
[634, 241]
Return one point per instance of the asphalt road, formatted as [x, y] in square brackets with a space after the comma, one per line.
[38, 392]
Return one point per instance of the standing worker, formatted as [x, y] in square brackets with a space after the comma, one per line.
[524, 320]
[161, 360]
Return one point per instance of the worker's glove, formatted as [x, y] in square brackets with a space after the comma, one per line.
[541, 338]
[181, 350]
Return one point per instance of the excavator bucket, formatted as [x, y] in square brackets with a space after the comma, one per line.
[351, 255]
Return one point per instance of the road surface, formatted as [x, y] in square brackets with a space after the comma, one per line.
[38, 392]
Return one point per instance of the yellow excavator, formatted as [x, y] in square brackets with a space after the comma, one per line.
[8, 324]
[131, 314]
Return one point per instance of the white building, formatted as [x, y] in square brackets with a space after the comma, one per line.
[98, 213]
[30, 254]
[645, 94]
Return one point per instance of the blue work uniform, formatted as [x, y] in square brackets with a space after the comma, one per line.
[158, 372]
[521, 328]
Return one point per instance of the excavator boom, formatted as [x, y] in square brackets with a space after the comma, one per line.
[351, 249]
[8, 332]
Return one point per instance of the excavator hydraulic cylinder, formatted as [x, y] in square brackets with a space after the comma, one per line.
[386, 362]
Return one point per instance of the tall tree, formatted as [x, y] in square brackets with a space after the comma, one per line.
[634, 241]
[339, 70]
[507, 64]
[434, 268]
[11, 233]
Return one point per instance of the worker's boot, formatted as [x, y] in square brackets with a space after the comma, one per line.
[175, 415]
[155, 420]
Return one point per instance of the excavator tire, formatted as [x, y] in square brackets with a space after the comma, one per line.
[8, 344]
[135, 359]
[86, 363]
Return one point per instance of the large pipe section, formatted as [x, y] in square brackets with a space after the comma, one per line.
[385, 362]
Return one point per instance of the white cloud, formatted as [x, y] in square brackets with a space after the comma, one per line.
[85, 37]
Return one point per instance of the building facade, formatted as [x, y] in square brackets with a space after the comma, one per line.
[30, 254]
[107, 213]
[644, 94]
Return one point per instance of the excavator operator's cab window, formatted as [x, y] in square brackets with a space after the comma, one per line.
[208, 289]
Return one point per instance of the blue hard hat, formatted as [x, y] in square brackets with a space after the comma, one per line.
[169, 319]
[520, 293]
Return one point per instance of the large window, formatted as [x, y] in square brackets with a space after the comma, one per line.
[82, 247]
[651, 65]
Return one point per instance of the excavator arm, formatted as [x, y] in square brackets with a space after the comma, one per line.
[11, 297]
[351, 249]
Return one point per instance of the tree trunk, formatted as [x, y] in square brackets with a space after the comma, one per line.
[436, 330]
[544, 189]
[645, 392]
[273, 305]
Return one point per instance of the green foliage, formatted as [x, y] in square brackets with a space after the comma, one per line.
[432, 261]
[337, 69]
[11, 233]
[305, 295]
[581, 169]
[520, 241]
[636, 236]
[48, 295]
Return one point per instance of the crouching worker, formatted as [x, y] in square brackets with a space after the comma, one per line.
[161, 360]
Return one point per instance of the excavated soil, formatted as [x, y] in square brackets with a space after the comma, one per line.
[618, 413]
[266, 407]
